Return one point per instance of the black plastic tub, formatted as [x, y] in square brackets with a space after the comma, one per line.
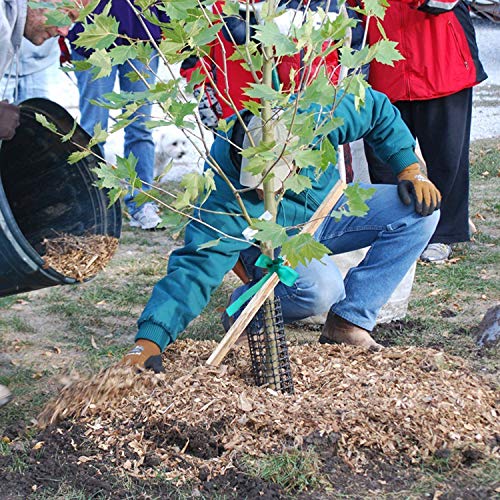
[42, 196]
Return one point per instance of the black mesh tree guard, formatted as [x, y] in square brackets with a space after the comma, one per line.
[268, 348]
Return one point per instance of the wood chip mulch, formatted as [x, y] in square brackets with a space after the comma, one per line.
[79, 257]
[396, 404]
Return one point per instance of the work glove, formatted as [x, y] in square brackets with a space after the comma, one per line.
[208, 106]
[413, 183]
[9, 120]
[144, 355]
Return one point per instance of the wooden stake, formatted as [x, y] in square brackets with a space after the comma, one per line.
[234, 333]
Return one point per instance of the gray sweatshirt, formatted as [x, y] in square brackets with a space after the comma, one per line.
[12, 21]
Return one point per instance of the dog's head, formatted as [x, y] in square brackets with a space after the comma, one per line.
[170, 143]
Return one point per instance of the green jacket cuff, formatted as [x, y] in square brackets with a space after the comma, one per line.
[155, 333]
[402, 159]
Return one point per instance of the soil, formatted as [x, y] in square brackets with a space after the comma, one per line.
[57, 463]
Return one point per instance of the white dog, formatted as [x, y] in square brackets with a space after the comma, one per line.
[174, 155]
[171, 147]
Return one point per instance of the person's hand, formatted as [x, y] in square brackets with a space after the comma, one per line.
[9, 120]
[413, 183]
[145, 355]
[208, 106]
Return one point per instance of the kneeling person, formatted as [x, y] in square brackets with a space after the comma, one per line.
[399, 223]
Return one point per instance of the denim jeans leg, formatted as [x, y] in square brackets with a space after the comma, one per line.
[138, 138]
[90, 89]
[396, 235]
[318, 286]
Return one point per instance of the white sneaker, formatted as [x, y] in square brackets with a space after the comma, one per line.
[436, 253]
[146, 218]
[5, 395]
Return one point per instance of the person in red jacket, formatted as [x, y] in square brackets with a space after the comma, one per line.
[231, 79]
[432, 88]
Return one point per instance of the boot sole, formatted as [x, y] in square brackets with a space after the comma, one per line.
[325, 340]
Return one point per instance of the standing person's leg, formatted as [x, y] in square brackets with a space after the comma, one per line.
[443, 132]
[139, 140]
[90, 89]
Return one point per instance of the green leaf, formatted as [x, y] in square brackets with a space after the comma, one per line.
[114, 194]
[355, 205]
[298, 183]
[303, 248]
[208, 244]
[177, 9]
[101, 62]
[196, 187]
[356, 84]
[76, 156]
[57, 18]
[45, 123]
[329, 155]
[109, 176]
[231, 8]
[224, 126]
[207, 35]
[253, 106]
[173, 51]
[262, 91]
[307, 157]
[376, 7]
[125, 167]
[352, 59]
[69, 135]
[99, 136]
[78, 66]
[146, 196]
[320, 91]
[101, 34]
[386, 52]
[269, 232]
[122, 53]
[88, 9]
[270, 36]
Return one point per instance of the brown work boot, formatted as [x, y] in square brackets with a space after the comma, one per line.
[340, 331]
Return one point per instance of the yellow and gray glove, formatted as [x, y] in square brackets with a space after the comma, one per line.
[414, 183]
[144, 355]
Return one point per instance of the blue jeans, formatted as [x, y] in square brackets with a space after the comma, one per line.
[138, 138]
[396, 235]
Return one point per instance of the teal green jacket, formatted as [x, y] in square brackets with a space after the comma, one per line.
[193, 274]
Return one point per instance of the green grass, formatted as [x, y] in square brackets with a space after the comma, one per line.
[16, 322]
[30, 392]
[295, 471]
[485, 159]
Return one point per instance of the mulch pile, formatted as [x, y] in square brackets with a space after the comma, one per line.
[79, 257]
[396, 404]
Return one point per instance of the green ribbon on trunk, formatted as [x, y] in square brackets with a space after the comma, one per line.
[286, 275]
